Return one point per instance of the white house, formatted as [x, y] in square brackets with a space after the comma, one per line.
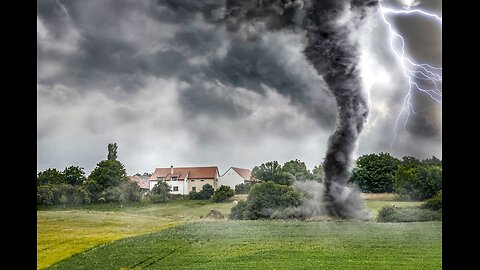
[235, 176]
[183, 180]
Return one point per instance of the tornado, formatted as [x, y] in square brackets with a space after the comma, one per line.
[333, 50]
[332, 47]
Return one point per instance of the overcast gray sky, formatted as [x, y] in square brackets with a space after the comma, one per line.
[166, 82]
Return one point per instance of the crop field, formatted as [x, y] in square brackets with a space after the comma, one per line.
[62, 233]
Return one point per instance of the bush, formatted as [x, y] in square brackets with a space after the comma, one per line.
[215, 214]
[267, 200]
[222, 194]
[177, 196]
[242, 188]
[205, 194]
[407, 214]
[434, 203]
[159, 193]
[238, 211]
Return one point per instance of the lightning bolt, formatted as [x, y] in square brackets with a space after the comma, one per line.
[412, 71]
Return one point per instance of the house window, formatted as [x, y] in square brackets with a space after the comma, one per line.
[192, 180]
[174, 178]
[175, 188]
[202, 180]
[194, 188]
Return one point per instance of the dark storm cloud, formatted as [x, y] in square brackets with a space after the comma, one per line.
[123, 49]
[211, 101]
[109, 61]
[195, 41]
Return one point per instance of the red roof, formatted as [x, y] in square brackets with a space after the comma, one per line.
[182, 172]
[244, 173]
[139, 181]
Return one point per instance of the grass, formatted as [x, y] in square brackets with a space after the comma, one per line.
[408, 214]
[380, 196]
[272, 245]
[375, 206]
[62, 233]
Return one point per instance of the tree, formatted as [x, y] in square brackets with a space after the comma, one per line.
[222, 194]
[266, 171]
[160, 192]
[375, 172]
[242, 188]
[418, 182]
[63, 200]
[318, 173]
[432, 161]
[108, 173]
[112, 151]
[130, 191]
[44, 195]
[409, 161]
[272, 171]
[111, 194]
[50, 176]
[74, 175]
[81, 195]
[298, 169]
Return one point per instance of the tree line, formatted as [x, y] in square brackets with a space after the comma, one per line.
[109, 183]
[408, 177]
[274, 196]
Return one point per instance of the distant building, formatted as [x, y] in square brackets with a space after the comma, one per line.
[235, 176]
[183, 180]
[142, 184]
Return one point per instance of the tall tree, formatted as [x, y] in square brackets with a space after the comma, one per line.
[112, 151]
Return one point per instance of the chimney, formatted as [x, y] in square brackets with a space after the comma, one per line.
[171, 169]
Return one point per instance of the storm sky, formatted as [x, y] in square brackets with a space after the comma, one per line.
[170, 85]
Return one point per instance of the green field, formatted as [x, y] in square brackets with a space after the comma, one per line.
[272, 245]
[62, 233]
